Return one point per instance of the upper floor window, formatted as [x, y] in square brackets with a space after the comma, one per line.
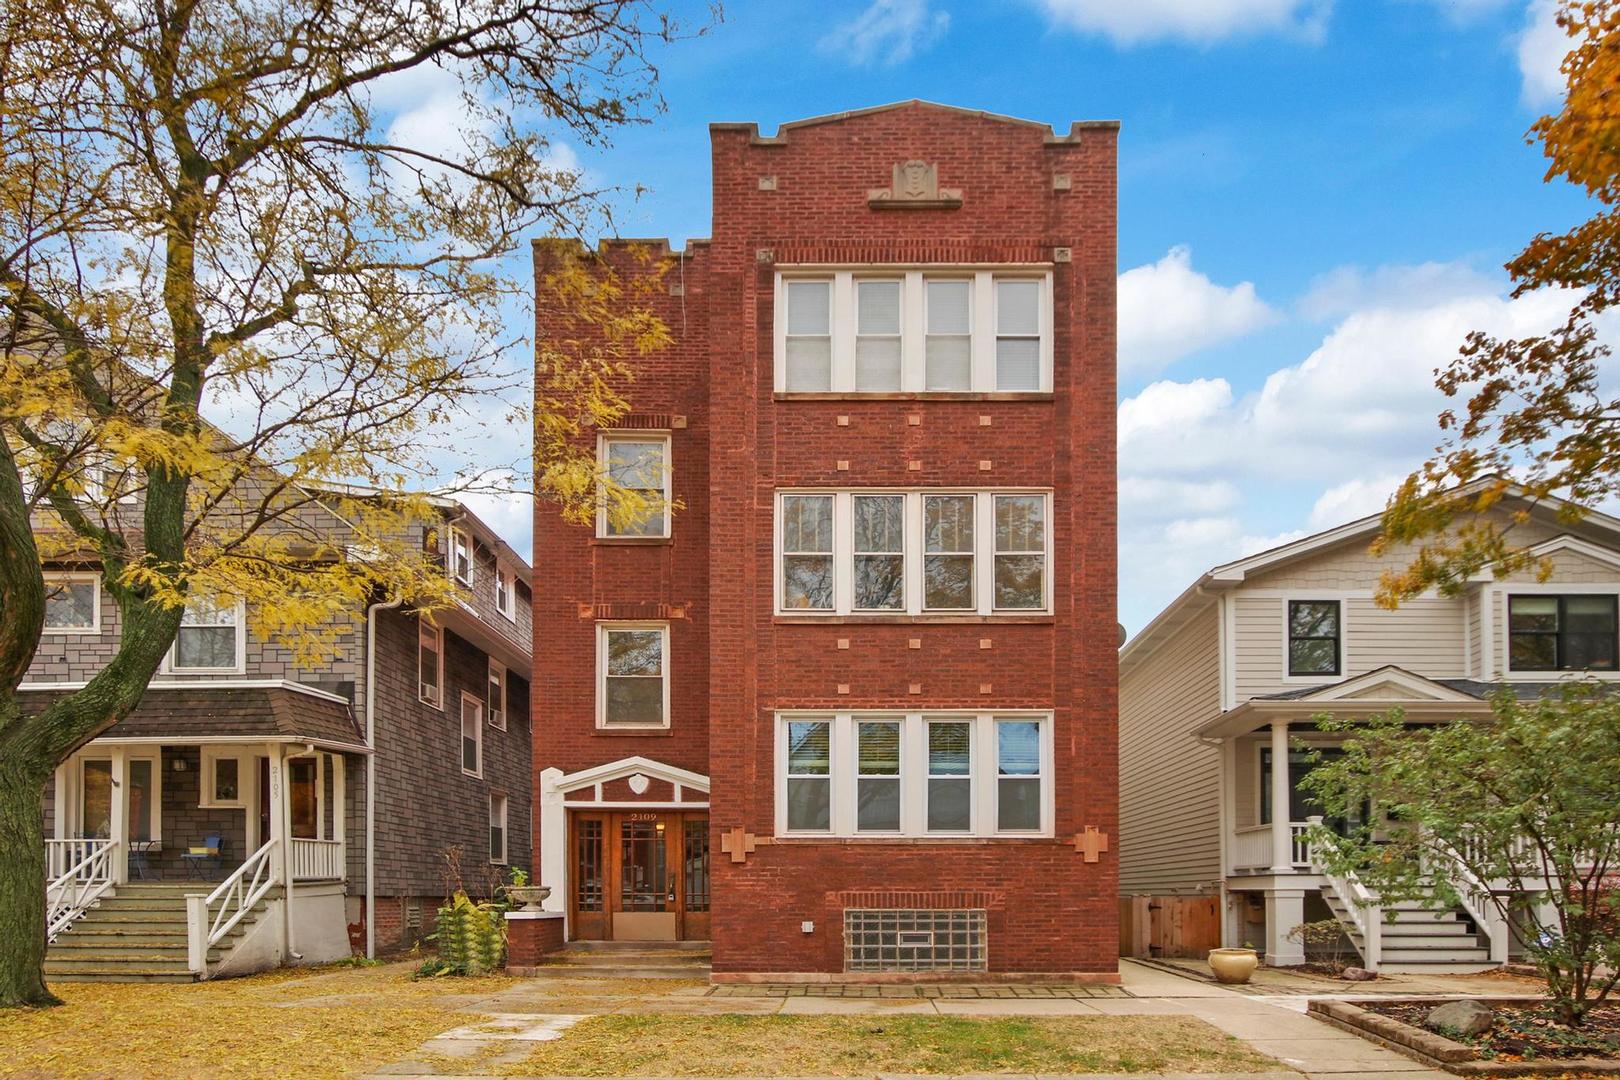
[210, 637]
[1313, 637]
[497, 694]
[461, 557]
[430, 663]
[497, 828]
[632, 688]
[914, 331]
[914, 774]
[640, 465]
[472, 735]
[1561, 633]
[505, 592]
[72, 603]
[913, 552]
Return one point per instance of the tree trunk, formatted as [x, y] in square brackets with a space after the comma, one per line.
[22, 880]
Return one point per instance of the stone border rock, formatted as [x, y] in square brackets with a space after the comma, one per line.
[1437, 1051]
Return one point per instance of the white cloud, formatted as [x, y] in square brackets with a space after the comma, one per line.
[1352, 500]
[1135, 22]
[1168, 310]
[1461, 11]
[1542, 46]
[888, 32]
[1351, 288]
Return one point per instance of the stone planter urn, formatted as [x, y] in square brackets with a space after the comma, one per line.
[530, 896]
[1233, 965]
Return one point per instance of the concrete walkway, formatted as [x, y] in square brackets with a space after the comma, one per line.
[538, 1010]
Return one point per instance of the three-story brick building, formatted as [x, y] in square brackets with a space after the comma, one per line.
[852, 707]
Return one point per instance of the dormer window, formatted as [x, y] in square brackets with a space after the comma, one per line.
[461, 557]
[505, 593]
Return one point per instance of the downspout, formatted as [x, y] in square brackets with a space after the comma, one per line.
[371, 772]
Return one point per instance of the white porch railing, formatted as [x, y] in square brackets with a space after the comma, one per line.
[81, 871]
[1475, 894]
[234, 898]
[317, 860]
[1366, 915]
[1251, 848]
[1299, 846]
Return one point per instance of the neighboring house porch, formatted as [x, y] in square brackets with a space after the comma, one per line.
[204, 834]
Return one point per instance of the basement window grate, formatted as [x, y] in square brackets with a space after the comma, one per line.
[898, 939]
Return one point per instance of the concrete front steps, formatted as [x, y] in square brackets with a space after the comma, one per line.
[137, 934]
[1417, 940]
[635, 960]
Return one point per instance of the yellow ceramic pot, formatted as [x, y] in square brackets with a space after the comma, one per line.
[1233, 965]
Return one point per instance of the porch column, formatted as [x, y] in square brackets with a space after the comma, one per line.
[59, 799]
[278, 811]
[120, 815]
[339, 813]
[553, 864]
[1282, 844]
[1285, 909]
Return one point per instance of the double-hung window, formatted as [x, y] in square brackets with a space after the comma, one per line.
[461, 557]
[429, 663]
[914, 774]
[887, 330]
[639, 465]
[807, 552]
[1313, 637]
[72, 604]
[1573, 632]
[497, 694]
[497, 829]
[633, 675]
[210, 637]
[472, 735]
[505, 593]
[917, 552]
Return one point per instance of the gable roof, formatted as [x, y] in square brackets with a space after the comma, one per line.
[782, 131]
[1201, 593]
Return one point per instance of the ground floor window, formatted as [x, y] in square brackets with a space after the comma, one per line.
[915, 940]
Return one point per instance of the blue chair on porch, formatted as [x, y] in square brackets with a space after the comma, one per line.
[207, 860]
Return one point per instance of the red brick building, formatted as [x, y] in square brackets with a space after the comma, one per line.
[852, 707]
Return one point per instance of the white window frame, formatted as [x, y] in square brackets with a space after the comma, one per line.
[984, 540]
[603, 526]
[477, 703]
[602, 631]
[983, 775]
[94, 581]
[497, 677]
[207, 797]
[505, 592]
[499, 797]
[971, 776]
[424, 628]
[1343, 598]
[170, 659]
[982, 325]
[900, 778]
[462, 538]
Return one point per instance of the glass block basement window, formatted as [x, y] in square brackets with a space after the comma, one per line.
[885, 939]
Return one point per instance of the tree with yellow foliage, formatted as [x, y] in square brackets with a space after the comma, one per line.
[1535, 418]
[228, 287]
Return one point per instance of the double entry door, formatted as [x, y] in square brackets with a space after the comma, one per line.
[639, 876]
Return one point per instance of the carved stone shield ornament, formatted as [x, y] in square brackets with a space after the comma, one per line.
[914, 185]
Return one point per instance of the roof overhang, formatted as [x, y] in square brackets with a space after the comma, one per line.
[628, 767]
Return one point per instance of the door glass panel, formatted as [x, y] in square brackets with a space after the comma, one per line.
[588, 879]
[95, 810]
[301, 789]
[643, 874]
[140, 799]
[696, 863]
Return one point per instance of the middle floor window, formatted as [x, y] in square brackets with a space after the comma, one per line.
[914, 774]
[913, 552]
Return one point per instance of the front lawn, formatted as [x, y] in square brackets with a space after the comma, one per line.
[332, 1023]
[863, 1045]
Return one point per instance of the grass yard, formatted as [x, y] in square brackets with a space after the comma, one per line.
[863, 1045]
[330, 1022]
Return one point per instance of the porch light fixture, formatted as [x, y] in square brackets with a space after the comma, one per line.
[178, 765]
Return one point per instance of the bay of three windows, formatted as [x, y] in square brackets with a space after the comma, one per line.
[914, 331]
[915, 774]
[915, 552]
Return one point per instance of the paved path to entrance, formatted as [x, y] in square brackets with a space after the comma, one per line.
[1275, 1025]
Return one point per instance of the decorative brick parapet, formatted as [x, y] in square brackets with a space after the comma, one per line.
[531, 937]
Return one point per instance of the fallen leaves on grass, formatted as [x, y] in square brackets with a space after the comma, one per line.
[862, 1045]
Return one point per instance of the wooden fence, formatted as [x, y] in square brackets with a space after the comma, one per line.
[1169, 925]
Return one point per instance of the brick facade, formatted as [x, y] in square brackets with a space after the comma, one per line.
[801, 198]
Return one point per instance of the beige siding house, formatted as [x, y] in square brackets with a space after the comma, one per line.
[1227, 679]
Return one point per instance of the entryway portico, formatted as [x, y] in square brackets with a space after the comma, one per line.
[624, 848]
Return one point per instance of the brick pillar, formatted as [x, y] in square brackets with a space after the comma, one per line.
[530, 937]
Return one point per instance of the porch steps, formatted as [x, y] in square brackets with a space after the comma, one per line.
[1416, 939]
[136, 934]
[635, 960]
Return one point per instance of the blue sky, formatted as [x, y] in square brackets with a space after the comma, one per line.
[1316, 198]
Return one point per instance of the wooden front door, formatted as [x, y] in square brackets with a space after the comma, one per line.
[639, 875]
